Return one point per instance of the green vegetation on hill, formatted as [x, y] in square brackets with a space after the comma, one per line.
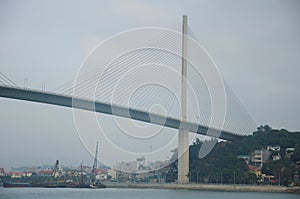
[221, 165]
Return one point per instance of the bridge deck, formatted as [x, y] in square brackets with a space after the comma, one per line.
[105, 108]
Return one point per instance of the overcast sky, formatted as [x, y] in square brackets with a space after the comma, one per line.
[254, 43]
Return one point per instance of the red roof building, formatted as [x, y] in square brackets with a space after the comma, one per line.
[45, 172]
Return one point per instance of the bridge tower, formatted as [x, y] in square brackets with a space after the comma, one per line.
[183, 134]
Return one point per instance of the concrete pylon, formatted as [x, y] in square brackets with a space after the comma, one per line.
[183, 134]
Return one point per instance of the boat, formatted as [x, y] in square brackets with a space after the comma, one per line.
[21, 184]
[98, 186]
[79, 186]
[16, 184]
[55, 186]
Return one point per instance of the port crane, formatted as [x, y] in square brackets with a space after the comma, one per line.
[55, 172]
[94, 169]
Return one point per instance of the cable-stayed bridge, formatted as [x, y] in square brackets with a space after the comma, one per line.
[170, 72]
[111, 109]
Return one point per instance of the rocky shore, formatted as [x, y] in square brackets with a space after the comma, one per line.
[211, 187]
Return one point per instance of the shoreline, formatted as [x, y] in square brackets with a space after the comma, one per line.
[211, 187]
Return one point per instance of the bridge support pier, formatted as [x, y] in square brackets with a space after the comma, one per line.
[183, 134]
[183, 156]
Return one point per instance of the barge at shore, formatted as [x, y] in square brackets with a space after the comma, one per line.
[29, 185]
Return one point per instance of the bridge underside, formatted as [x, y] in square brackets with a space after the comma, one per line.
[105, 108]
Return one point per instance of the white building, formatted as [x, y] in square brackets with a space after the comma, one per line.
[273, 148]
[112, 173]
[258, 157]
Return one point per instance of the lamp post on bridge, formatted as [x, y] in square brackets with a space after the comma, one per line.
[183, 134]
